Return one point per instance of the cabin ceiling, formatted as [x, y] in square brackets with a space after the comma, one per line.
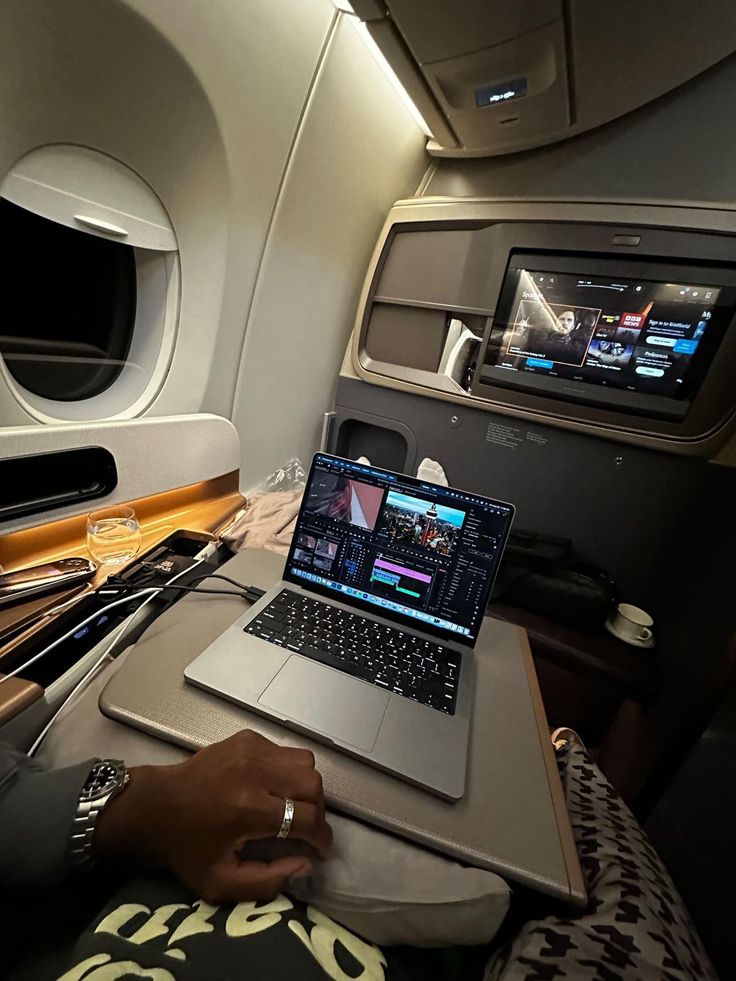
[496, 76]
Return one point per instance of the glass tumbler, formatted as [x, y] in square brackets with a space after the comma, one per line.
[113, 535]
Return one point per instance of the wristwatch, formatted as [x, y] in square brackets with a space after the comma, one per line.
[106, 779]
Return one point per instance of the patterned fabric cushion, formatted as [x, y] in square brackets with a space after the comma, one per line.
[636, 926]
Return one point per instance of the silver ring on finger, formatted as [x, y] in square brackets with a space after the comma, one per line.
[285, 828]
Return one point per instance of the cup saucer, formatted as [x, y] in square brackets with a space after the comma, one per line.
[629, 640]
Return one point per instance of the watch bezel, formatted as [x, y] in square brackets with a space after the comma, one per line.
[90, 792]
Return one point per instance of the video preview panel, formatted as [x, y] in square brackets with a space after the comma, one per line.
[411, 520]
[343, 498]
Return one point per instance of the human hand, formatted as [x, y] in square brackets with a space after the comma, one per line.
[196, 817]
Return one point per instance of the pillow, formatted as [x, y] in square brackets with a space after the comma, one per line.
[636, 925]
[392, 892]
[373, 883]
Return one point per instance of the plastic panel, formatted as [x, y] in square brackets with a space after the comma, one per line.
[474, 241]
[82, 188]
[444, 28]
[405, 335]
[151, 455]
[41, 483]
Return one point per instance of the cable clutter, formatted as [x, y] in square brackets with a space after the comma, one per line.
[122, 593]
[251, 594]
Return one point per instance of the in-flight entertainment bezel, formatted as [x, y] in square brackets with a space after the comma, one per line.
[631, 336]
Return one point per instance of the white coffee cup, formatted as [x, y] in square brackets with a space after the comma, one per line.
[632, 625]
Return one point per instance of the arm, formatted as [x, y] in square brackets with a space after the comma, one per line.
[194, 818]
[37, 808]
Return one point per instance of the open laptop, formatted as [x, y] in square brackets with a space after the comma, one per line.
[366, 644]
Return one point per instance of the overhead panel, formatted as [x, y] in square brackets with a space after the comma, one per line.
[513, 91]
[485, 73]
[495, 76]
[446, 28]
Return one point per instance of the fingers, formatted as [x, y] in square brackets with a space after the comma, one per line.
[260, 814]
[300, 757]
[235, 882]
[299, 783]
[308, 824]
[254, 777]
[252, 745]
[304, 787]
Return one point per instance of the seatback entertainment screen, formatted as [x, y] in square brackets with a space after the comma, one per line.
[627, 337]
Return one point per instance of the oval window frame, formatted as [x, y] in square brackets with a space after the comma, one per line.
[116, 205]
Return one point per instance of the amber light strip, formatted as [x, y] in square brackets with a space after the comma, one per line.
[204, 507]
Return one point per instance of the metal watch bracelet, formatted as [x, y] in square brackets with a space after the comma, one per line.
[92, 801]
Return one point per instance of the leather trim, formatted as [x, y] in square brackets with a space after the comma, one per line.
[576, 881]
[15, 696]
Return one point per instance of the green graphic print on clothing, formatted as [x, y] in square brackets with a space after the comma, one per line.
[153, 930]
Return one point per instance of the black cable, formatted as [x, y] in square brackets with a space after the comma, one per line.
[218, 575]
[184, 589]
[249, 593]
[252, 593]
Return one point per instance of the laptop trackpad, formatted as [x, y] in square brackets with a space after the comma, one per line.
[327, 701]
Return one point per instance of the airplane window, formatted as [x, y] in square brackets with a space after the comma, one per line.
[70, 306]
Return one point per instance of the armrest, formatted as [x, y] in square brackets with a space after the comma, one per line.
[15, 696]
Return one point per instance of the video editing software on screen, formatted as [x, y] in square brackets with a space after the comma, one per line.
[409, 548]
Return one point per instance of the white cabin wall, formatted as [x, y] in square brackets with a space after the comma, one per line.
[256, 62]
[77, 71]
[202, 101]
[356, 152]
[276, 145]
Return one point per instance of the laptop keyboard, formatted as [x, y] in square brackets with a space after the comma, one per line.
[385, 656]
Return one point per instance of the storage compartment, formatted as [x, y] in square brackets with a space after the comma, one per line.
[441, 347]
[383, 445]
[496, 76]
[409, 336]
[159, 564]
[35, 484]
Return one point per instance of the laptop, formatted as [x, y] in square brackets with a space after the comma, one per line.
[366, 643]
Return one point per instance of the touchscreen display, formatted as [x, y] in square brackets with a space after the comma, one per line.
[629, 334]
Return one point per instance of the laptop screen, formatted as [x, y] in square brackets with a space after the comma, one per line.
[408, 550]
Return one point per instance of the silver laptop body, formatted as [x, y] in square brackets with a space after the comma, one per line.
[421, 743]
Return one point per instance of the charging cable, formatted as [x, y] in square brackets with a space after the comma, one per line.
[73, 630]
[153, 591]
[249, 593]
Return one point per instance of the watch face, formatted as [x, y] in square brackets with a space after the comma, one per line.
[102, 780]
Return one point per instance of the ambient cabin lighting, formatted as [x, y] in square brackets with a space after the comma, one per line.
[345, 8]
